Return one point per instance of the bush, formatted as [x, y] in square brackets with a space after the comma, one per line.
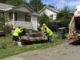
[43, 19]
[3, 19]
[64, 17]
[7, 29]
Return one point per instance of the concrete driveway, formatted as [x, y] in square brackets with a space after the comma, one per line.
[66, 51]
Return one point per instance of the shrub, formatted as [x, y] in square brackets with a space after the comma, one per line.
[3, 19]
[43, 19]
[7, 29]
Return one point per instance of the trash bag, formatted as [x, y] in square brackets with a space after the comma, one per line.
[23, 32]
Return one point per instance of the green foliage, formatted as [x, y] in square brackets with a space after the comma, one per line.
[50, 6]
[3, 19]
[3, 27]
[43, 19]
[65, 22]
[50, 23]
[3, 1]
[7, 29]
[36, 5]
[16, 2]
[64, 16]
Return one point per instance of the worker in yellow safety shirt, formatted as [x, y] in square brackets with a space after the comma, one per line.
[43, 27]
[16, 35]
[49, 34]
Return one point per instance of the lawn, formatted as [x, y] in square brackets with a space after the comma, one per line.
[15, 49]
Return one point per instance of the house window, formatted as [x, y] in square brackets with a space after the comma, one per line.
[51, 17]
[11, 16]
[27, 18]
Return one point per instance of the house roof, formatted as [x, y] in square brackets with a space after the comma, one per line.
[72, 11]
[23, 5]
[53, 9]
[5, 6]
[50, 8]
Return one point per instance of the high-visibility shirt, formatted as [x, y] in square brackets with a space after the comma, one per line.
[49, 32]
[43, 27]
[16, 32]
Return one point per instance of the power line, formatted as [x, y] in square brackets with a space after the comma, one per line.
[56, 2]
[72, 3]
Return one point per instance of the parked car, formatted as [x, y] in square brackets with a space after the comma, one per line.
[53, 27]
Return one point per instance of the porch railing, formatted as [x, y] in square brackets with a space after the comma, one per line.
[23, 24]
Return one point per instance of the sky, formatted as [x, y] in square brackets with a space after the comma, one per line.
[61, 3]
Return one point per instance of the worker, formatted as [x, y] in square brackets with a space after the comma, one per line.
[49, 34]
[43, 27]
[16, 35]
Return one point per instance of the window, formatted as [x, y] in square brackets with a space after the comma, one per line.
[11, 16]
[27, 18]
[51, 17]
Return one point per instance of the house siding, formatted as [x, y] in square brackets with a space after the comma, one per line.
[20, 16]
[23, 24]
[24, 9]
[48, 13]
[20, 12]
[34, 22]
[21, 21]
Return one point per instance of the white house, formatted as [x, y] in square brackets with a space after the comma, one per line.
[49, 11]
[21, 15]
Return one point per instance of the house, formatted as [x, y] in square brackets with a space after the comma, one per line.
[21, 15]
[50, 12]
[71, 12]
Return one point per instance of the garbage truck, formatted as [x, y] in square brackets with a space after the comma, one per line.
[74, 25]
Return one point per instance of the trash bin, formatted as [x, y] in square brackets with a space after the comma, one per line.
[61, 32]
[23, 32]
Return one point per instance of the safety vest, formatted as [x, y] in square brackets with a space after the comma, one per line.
[16, 32]
[49, 32]
[43, 28]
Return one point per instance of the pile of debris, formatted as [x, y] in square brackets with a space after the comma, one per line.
[34, 37]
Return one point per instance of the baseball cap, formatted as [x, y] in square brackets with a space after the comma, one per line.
[19, 27]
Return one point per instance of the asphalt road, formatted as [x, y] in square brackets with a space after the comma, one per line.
[66, 51]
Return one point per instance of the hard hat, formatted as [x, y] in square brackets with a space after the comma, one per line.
[44, 24]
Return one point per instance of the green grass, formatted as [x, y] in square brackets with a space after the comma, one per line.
[14, 49]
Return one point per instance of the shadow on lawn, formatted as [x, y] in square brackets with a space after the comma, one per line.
[30, 43]
[76, 42]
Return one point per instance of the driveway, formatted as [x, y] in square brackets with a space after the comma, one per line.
[66, 51]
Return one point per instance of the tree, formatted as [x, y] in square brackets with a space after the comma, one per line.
[3, 1]
[43, 19]
[64, 17]
[16, 2]
[50, 6]
[36, 5]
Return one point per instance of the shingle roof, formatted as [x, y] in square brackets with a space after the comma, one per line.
[50, 8]
[72, 11]
[8, 7]
[5, 6]
[53, 9]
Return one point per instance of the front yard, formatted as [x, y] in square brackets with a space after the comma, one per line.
[15, 49]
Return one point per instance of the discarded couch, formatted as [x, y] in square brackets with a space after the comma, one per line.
[34, 37]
